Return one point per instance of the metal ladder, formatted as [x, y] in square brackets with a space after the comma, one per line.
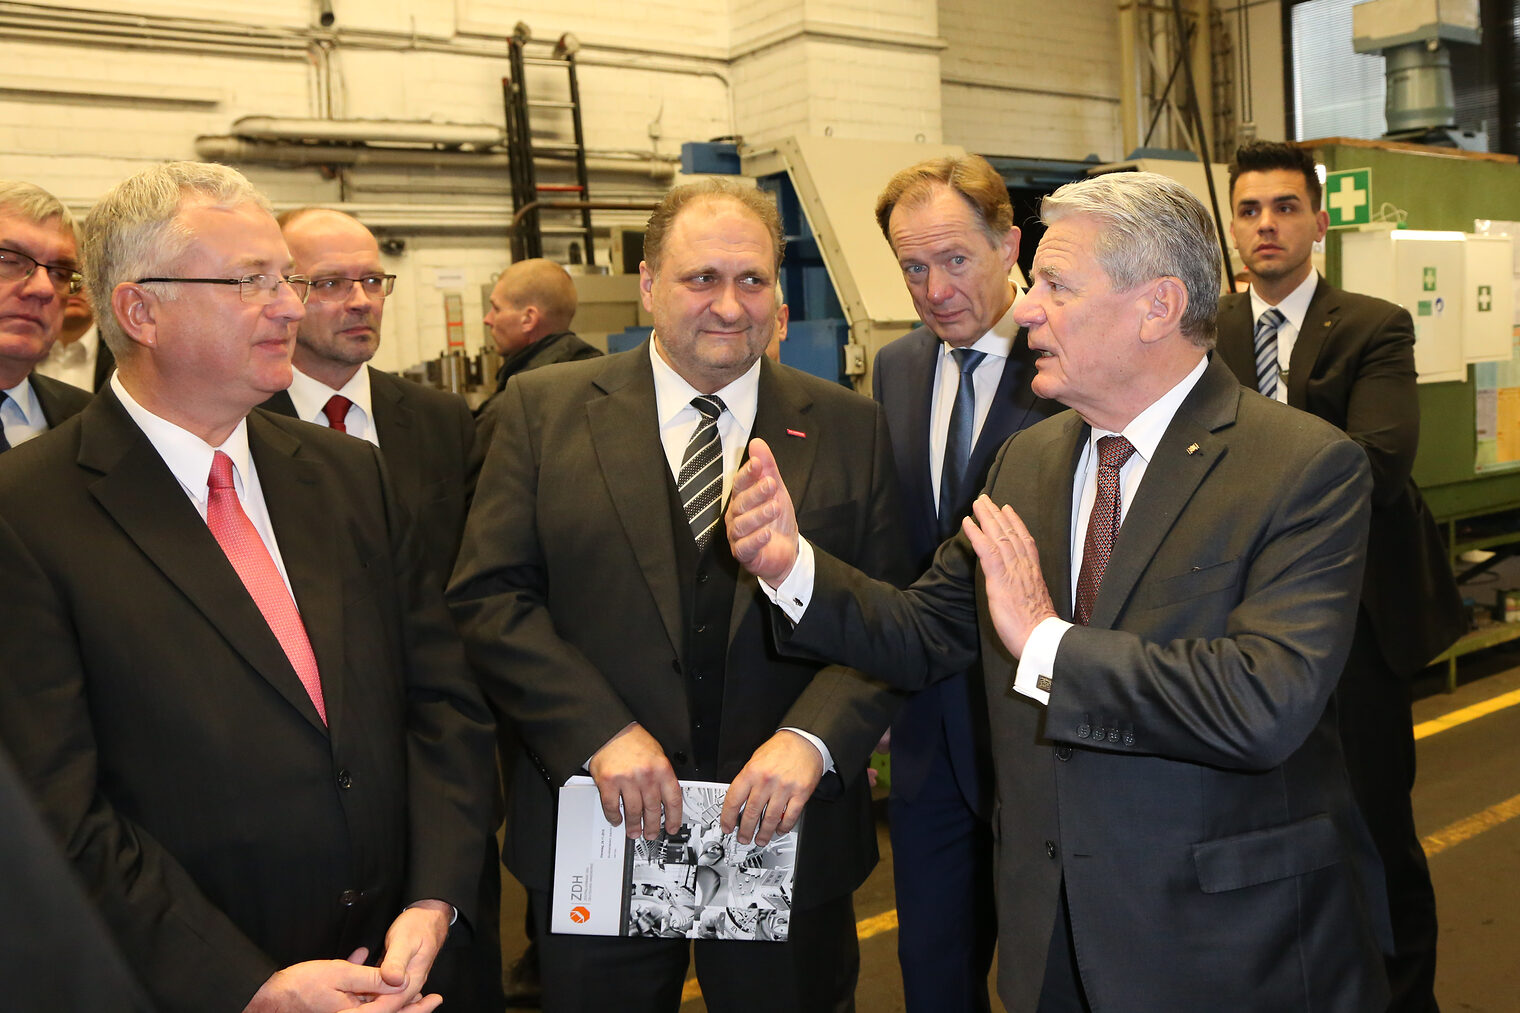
[524, 155]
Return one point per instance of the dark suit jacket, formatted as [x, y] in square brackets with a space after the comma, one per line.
[1186, 780]
[222, 829]
[1353, 366]
[105, 363]
[569, 597]
[59, 400]
[953, 710]
[426, 436]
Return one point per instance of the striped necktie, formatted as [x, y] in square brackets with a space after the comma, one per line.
[1265, 342]
[700, 483]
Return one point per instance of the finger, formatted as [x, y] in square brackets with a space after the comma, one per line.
[611, 799]
[633, 809]
[754, 811]
[754, 508]
[400, 948]
[733, 802]
[772, 818]
[651, 816]
[670, 796]
[359, 956]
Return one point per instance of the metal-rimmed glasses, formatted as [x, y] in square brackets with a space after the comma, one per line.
[18, 266]
[254, 288]
[335, 288]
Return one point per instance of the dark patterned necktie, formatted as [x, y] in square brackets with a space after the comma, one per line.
[5, 444]
[1265, 342]
[1102, 524]
[952, 476]
[700, 483]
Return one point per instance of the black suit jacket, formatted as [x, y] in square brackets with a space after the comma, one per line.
[952, 711]
[221, 827]
[105, 363]
[427, 437]
[59, 400]
[1353, 366]
[569, 597]
[1185, 783]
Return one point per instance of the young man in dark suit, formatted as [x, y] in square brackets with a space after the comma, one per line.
[1349, 359]
[1175, 827]
[39, 270]
[606, 618]
[953, 391]
[228, 678]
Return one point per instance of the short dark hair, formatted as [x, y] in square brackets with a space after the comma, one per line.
[714, 188]
[972, 178]
[1264, 156]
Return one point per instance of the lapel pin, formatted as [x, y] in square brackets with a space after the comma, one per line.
[797, 433]
[1192, 449]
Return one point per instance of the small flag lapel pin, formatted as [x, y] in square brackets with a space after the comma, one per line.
[797, 433]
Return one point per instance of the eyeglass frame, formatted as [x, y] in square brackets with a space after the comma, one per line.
[75, 282]
[388, 287]
[244, 285]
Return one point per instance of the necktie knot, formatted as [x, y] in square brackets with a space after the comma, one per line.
[336, 410]
[968, 359]
[220, 478]
[1269, 321]
[709, 405]
[1114, 451]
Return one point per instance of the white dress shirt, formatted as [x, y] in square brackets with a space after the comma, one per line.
[998, 344]
[73, 363]
[189, 458]
[21, 413]
[310, 396]
[1294, 307]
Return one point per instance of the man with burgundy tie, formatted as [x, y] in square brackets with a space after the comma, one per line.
[425, 434]
[606, 618]
[953, 391]
[227, 677]
[1349, 359]
[1161, 583]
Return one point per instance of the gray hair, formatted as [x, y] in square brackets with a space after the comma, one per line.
[134, 230]
[36, 205]
[1151, 227]
[711, 188]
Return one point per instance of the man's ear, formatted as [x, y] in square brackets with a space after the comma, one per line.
[646, 285]
[137, 311]
[1166, 302]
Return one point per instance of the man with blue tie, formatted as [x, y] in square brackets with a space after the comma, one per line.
[953, 391]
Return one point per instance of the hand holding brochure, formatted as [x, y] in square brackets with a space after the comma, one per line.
[698, 883]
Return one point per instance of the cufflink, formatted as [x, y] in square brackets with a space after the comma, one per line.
[1042, 684]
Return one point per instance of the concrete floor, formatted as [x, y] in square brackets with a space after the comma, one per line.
[1467, 792]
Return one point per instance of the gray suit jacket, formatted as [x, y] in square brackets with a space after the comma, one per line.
[1186, 780]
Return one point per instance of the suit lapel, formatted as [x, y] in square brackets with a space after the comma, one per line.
[1052, 532]
[1319, 320]
[1236, 345]
[919, 405]
[281, 404]
[396, 429]
[1186, 454]
[142, 495]
[625, 435]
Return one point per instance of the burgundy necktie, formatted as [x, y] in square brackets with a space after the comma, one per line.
[235, 533]
[336, 410]
[1102, 524]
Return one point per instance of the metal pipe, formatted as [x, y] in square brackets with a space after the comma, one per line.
[282, 128]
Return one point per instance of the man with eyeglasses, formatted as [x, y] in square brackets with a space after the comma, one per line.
[226, 675]
[38, 272]
[425, 434]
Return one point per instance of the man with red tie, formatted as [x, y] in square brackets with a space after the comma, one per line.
[227, 677]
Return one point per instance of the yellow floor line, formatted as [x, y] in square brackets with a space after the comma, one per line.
[1470, 827]
[1466, 714]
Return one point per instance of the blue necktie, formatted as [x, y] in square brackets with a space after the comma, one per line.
[952, 477]
[1265, 342]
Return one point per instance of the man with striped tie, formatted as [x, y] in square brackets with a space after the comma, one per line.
[606, 617]
[1349, 359]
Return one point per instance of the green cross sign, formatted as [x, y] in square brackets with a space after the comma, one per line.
[1348, 197]
[1430, 279]
[1485, 298]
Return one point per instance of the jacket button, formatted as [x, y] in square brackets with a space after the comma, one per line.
[1063, 753]
[1050, 849]
[1113, 735]
[345, 781]
[1083, 731]
[702, 578]
[679, 756]
[348, 898]
[702, 628]
[1129, 738]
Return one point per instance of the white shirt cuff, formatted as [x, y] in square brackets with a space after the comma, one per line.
[796, 590]
[1037, 664]
[828, 758]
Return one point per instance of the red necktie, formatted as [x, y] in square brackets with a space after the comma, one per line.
[1102, 524]
[235, 533]
[336, 410]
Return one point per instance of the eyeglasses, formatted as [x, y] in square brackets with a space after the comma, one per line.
[255, 288]
[17, 266]
[336, 289]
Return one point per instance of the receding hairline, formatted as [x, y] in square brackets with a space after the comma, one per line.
[705, 203]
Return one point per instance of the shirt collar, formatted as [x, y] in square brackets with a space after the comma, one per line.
[672, 393]
[309, 395]
[24, 398]
[1145, 430]
[1294, 305]
[187, 455]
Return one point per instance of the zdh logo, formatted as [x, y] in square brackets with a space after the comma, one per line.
[579, 914]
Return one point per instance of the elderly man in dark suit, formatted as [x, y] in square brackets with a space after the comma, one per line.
[1349, 359]
[227, 677]
[953, 391]
[1176, 831]
[39, 270]
[607, 619]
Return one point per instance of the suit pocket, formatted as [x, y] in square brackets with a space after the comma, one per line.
[1195, 583]
[1262, 856]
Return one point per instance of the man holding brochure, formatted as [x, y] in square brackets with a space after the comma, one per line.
[607, 618]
